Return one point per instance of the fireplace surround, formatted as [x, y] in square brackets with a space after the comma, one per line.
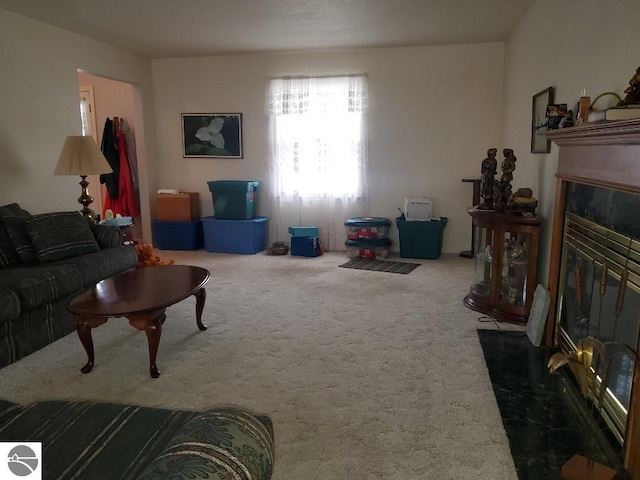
[594, 270]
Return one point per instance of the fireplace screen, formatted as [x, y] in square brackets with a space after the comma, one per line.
[600, 297]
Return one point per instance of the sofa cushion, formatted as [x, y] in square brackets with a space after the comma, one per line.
[220, 443]
[13, 210]
[35, 329]
[94, 440]
[108, 236]
[7, 410]
[13, 218]
[8, 254]
[9, 305]
[60, 235]
[94, 267]
[37, 285]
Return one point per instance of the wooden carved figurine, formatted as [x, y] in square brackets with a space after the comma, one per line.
[632, 91]
[503, 192]
[487, 179]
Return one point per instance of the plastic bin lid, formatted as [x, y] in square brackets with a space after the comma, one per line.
[421, 224]
[369, 242]
[235, 185]
[367, 222]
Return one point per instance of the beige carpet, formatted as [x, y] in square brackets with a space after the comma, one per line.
[366, 375]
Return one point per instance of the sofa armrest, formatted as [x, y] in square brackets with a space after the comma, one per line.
[107, 236]
[216, 443]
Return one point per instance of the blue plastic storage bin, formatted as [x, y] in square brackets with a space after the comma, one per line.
[178, 235]
[233, 199]
[305, 247]
[235, 236]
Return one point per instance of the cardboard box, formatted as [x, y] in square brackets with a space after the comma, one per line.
[179, 207]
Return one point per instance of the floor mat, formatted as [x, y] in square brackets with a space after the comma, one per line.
[380, 265]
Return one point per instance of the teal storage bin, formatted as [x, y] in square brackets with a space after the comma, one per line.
[234, 199]
[421, 239]
[304, 231]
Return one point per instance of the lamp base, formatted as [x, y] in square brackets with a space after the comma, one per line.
[579, 468]
[85, 200]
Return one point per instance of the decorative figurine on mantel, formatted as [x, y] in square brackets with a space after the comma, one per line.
[503, 190]
[632, 91]
[522, 202]
[487, 179]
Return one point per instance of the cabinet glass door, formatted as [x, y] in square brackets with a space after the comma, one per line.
[483, 261]
[515, 269]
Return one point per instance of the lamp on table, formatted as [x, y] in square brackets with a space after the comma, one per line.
[81, 156]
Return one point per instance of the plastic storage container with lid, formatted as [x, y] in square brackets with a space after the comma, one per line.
[235, 236]
[421, 239]
[367, 227]
[233, 199]
[368, 248]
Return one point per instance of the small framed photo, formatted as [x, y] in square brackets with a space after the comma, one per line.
[539, 123]
[213, 135]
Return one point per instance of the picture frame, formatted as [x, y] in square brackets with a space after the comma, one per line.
[212, 135]
[539, 143]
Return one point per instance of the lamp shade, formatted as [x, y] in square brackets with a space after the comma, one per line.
[81, 156]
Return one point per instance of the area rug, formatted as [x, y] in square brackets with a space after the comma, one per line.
[540, 411]
[380, 265]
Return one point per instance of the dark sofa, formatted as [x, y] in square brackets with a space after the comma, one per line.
[45, 260]
[96, 440]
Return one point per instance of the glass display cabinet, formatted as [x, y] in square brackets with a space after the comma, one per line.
[506, 259]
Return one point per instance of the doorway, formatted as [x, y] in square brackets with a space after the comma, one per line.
[116, 99]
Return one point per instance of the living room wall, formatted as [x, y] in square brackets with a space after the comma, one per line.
[568, 45]
[434, 113]
[40, 107]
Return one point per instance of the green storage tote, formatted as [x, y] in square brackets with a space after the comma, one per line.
[421, 239]
[233, 199]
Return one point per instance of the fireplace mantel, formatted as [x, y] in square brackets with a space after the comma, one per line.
[603, 155]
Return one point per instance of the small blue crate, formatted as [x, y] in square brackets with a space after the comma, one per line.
[305, 247]
[244, 237]
[178, 235]
[304, 231]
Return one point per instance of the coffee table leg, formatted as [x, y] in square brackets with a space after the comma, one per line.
[201, 297]
[84, 327]
[151, 323]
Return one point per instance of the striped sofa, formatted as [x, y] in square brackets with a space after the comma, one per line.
[96, 441]
[45, 260]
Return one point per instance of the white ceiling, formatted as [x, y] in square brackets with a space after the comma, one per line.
[179, 28]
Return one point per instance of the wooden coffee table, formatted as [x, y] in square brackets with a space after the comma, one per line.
[141, 296]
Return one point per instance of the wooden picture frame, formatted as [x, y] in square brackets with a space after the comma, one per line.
[212, 135]
[540, 143]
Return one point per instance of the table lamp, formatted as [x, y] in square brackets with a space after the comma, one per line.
[81, 156]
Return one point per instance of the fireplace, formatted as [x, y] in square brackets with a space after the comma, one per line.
[594, 273]
[599, 291]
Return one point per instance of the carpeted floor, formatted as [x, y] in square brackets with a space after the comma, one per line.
[365, 376]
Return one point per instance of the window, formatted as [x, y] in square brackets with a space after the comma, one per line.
[87, 113]
[319, 145]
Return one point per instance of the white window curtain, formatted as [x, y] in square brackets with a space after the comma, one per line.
[318, 154]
